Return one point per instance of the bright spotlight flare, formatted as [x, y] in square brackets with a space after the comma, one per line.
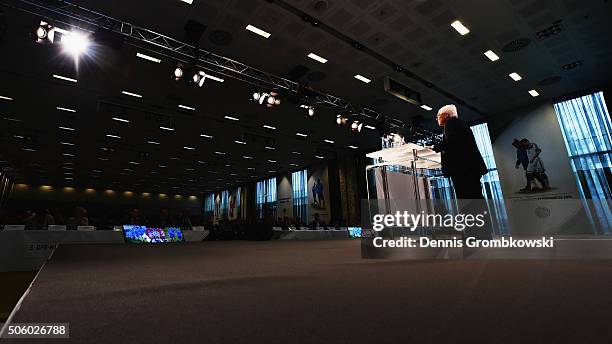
[75, 43]
[269, 99]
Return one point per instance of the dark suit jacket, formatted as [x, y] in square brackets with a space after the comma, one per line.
[460, 154]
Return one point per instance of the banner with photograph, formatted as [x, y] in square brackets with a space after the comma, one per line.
[534, 170]
[318, 194]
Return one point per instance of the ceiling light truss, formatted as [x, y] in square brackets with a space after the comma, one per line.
[74, 16]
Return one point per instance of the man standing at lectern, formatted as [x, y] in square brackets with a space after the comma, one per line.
[461, 159]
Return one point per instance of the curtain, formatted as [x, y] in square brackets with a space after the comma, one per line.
[491, 185]
[587, 129]
[299, 184]
[265, 195]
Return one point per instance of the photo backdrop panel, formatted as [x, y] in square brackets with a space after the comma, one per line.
[536, 175]
[318, 193]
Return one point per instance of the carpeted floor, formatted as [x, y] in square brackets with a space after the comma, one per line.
[314, 292]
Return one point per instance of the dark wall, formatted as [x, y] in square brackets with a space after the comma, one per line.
[347, 188]
[113, 206]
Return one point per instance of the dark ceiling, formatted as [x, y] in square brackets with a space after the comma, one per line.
[533, 38]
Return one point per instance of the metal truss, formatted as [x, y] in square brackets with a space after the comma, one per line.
[71, 15]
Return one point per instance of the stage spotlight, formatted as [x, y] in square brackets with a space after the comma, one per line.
[268, 99]
[310, 111]
[199, 78]
[178, 72]
[75, 43]
[341, 120]
[42, 32]
[356, 126]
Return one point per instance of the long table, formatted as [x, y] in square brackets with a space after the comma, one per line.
[28, 250]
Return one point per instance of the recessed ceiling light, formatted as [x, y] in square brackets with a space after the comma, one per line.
[457, 25]
[188, 148]
[317, 58]
[136, 95]
[329, 141]
[5, 98]
[270, 148]
[240, 142]
[231, 118]
[187, 107]
[247, 157]
[67, 143]
[18, 136]
[354, 147]
[425, 107]
[153, 142]
[113, 136]
[133, 163]
[163, 166]
[68, 154]
[370, 127]
[206, 136]
[103, 159]
[64, 78]
[220, 153]
[491, 55]
[258, 31]
[300, 134]
[149, 58]
[120, 120]
[67, 128]
[65, 109]
[534, 93]
[515, 76]
[293, 164]
[166, 128]
[298, 153]
[319, 157]
[188, 1]
[269, 127]
[29, 149]
[362, 78]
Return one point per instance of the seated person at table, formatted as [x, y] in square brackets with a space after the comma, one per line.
[40, 220]
[78, 219]
[317, 222]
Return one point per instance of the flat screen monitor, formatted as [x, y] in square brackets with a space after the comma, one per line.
[355, 232]
[143, 234]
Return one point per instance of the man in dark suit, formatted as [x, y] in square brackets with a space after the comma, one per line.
[461, 159]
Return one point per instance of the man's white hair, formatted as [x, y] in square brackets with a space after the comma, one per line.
[451, 110]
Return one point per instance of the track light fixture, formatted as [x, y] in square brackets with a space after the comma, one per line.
[310, 111]
[178, 72]
[268, 99]
[199, 78]
[356, 126]
[44, 33]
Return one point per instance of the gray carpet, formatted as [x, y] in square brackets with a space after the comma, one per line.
[314, 292]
